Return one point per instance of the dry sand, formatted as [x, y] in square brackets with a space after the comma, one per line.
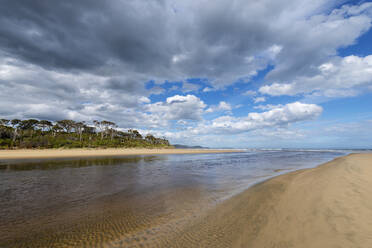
[73, 153]
[328, 206]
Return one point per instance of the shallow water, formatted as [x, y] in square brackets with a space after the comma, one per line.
[136, 201]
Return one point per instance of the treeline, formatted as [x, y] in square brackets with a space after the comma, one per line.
[32, 133]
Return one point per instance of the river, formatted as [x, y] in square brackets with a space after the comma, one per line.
[135, 201]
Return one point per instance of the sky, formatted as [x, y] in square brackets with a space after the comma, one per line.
[221, 73]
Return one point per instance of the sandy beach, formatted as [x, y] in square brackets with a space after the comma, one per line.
[74, 153]
[327, 206]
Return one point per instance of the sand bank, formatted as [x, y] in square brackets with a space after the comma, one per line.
[71, 153]
[328, 206]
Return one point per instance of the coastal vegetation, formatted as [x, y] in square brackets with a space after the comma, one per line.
[33, 133]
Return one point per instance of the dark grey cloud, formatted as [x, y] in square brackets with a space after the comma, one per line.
[123, 84]
[54, 34]
[85, 35]
[163, 40]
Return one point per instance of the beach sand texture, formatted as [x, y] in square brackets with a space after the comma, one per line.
[327, 206]
[73, 153]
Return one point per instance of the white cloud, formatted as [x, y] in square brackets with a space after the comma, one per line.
[259, 99]
[275, 50]
[339, 77]
[355, 10]
[178, 58]
[250, 93]
[222, 106]
[316, 38]
[189, 87]
[268, 106]
[156, 90]
[144, 99]
[271, 52]
[260, 126]
[208, 89]
[281, 133]
[277, 89]
[80, 96]
[174, 88]
[178, 107]
[289, 113]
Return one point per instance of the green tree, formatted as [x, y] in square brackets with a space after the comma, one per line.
[99, 126]
[4, 122]
[34, 133]
[44, 124]
[67, 125]
[134, 134]
[79, 128]
[29, 124]
[56, 129]
[109, 128]
[150, 138]
[5, 131]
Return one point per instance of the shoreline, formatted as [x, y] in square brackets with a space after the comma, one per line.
[92, 152]
[326, 206]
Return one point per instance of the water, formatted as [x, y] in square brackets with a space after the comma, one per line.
[137, 201]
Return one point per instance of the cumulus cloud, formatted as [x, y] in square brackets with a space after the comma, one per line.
[337, 78]
[277, 89]
[272, 123]
[30, 91]
[222, 106]
[178, 107]
[268, 106]
[280, 116]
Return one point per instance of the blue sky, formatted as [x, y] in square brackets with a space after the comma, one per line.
[236, 74]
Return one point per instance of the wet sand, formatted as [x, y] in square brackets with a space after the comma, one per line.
[327, 206]
[74, 153]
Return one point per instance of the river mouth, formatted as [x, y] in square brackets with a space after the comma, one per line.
[126, 201]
